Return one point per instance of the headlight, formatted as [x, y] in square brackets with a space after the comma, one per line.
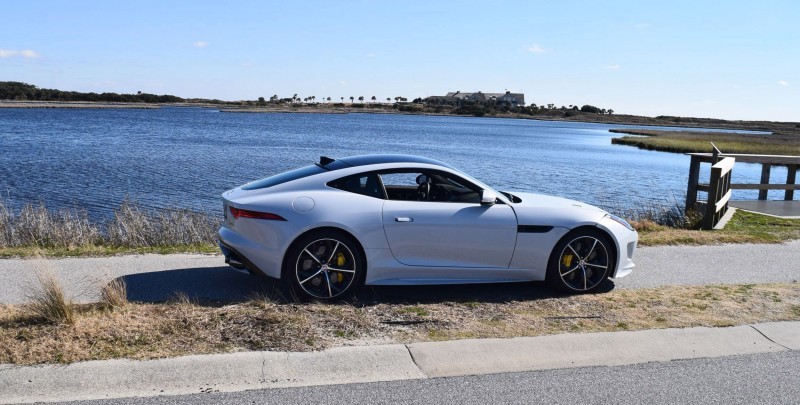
[621, 221]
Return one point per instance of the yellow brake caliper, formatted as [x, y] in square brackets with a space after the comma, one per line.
[339, 263]
[566, 260]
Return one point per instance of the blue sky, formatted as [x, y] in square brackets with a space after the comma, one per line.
[734, 59]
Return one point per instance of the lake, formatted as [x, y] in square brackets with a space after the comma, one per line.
[186, 157]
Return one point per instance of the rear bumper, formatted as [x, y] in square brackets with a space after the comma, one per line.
[245, 255]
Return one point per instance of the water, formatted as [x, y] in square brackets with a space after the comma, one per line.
[186, 157]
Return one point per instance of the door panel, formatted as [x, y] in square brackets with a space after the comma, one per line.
[422, 233]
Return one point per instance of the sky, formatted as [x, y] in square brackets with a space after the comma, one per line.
[734, 59]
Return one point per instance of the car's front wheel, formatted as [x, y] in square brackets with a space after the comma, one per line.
[324, 265]
[581, 261]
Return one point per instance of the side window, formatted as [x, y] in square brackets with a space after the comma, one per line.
[364, 184]
[429, 186]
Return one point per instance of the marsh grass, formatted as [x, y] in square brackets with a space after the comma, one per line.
[779, 143]
[183, 326]
[132, 228]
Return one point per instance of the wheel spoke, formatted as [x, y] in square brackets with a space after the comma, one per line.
[328, 279]
[573, 251]
[333, 252]
[596, 266]
[585, 279]
[312, 255]
[591, 250]
[341, 270]
[315, 274]
[571, 270]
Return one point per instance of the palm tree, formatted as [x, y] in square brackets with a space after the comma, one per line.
[373, 99]
[342, 99]
[388, 100]
[360, 99]
[294, 98]
[329, 99]
[351, 99]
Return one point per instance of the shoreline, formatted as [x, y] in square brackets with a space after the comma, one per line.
[548, 115]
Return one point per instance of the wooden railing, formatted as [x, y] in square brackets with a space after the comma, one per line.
[720, 185]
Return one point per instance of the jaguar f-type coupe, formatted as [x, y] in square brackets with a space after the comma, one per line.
[331, 227]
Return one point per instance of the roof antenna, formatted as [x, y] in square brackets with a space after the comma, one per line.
[324, 160]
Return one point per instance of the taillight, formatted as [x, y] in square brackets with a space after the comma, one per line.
[240, 213]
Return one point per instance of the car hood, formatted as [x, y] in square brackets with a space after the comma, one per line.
[545, 210]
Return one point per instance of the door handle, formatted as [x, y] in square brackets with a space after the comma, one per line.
[404, 219]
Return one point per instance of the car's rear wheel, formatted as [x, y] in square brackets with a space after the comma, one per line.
[324, 265]
[581, 262]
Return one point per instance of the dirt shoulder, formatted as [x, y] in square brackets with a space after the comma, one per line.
[147, 331]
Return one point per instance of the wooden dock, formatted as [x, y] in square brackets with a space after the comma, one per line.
[782, 209]
[720, 185]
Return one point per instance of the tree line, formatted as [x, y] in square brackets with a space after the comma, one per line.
[24, 91]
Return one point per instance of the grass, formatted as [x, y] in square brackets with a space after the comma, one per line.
[36, 230]
[779, 143]
[114, 294]
[48, 302]
[182, 327]
[744, 227]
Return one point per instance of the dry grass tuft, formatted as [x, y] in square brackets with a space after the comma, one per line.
[48, 301]
[115, 293]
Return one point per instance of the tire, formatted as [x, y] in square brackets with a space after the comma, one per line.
[324, 265]
[581, 262]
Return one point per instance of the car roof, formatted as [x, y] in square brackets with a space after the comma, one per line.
[365, 160]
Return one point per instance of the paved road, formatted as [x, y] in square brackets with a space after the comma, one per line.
[769, 378]
[206, 277]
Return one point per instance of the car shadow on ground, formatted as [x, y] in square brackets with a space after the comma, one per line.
[206, 285]
[222, 285]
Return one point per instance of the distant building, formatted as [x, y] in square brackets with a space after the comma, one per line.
[457, 98]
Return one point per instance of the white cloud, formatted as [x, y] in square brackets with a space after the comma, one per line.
[536, 48]
[783, 82]
[342, 82]
[611, 67]
[29, 54]
[200, 44]
[25, 53]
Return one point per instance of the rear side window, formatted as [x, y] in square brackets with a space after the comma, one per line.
[364, 184]
[283, 177]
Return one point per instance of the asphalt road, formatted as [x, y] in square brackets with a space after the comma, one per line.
[771, 378]
[206, 277]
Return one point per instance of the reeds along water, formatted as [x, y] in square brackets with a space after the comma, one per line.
[131, 226]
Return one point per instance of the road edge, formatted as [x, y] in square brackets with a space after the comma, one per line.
[362, 364]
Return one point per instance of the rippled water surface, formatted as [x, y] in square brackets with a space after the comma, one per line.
[186, 157]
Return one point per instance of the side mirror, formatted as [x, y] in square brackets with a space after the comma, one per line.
[488, 197]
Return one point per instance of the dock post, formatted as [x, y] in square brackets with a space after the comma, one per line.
[694, 178]
[765, 170]
[791, 172]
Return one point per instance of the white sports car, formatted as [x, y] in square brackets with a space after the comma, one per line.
[328, 228]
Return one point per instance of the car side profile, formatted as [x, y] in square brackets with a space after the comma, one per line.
[329, 228]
